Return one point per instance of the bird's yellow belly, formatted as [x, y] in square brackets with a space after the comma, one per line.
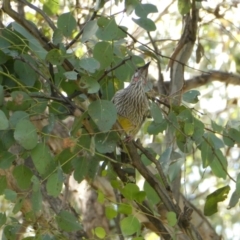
[127, 125]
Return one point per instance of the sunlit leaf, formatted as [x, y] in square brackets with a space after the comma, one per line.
[184, 6]
[214, 198]
[100, 232]
[172, 219]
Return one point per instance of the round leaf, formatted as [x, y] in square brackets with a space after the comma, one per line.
[172, 219]
[55, 57]
[25, 134]
[130, 225]
[23, 176]
[100, 232]
[103, 53]
[67, 23]
[103, 113]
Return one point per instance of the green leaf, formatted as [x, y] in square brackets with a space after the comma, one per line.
[219, 165]
[65, 159]
[71, 75]
[100, 232]
[3, 121]
[108, 29]
[103, 53]
[142, 10]
[125, 71]
[155, 128]
[1, 90]
[37, 200]
[25, 134]
[106, 142]
[156, 113]
[234, 134]
[67, 222]
[172, 219]
[103, 113]
[55, 184]
[51, 7]
[57, 36]
[26, 74]
[81, 167]
[16, 117]
[10, 195]
[3, 219]
[125, 208]
[129, 225]
[229, 141]
[18, 205]
[110, 212]
[89, 30]
[6, 159]
[191, 96]
[130, 190]
[151, 193]
[214, 140]
[238, 183]
[145, 23]
[66, 23]
[234, 199]
[43, 160]
[130, 5]
[206, 154]
[3, 57]
[20, 101]
[216, 127]
[89, 64]
[55, 57]
[3, 184]
[23, 176]
[188, 128]
[175, 168]
[214, 198]
[184, 6]
[90, 83]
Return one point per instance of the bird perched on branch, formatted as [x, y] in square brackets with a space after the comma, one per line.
[132, 103]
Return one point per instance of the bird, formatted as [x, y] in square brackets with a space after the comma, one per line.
[132, 103]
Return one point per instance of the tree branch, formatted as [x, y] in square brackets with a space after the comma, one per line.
[205, 78]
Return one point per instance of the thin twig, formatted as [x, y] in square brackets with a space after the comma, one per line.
[152, 159]
[81, 32]
[41, 12]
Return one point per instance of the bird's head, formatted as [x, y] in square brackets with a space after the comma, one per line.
[141, 75]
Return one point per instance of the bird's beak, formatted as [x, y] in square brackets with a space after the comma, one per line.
[144, 69]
